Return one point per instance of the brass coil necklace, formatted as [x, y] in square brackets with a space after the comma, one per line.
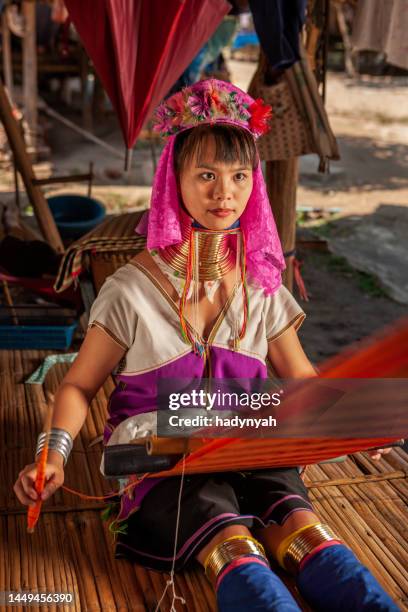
[215, 256]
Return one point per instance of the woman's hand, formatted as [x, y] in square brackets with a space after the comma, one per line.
[24, 486]
[377, 453]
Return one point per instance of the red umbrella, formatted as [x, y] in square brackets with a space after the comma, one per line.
[140, 47]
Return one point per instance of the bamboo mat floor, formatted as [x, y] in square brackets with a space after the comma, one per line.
[71, 551]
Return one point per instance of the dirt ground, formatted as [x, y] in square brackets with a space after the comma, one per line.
[368, 189]
[345, 305]
[370, 120]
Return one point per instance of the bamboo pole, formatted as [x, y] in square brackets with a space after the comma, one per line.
[198, 587]
[51, 575]
[11, 409]
[43, 214]
[378, 505]
[9, 302]
[7, 57]
[207, 588]
[3, 560]
[365, 541]
[91, 178]
[32, 555]
[65, 582]
[143, 577]
[400, 488]
[16, 186]
[92, 537]
[30, 85]
[127, 590]
[394, 556]
[15, 562]
[356, 480]
[327, 508]
[281, 182]
[88, 597]
[159, 586]
[183, 590]
[72, 580]
[366, 465]
[398, 459]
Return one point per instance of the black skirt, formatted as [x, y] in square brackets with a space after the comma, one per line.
[209, 502]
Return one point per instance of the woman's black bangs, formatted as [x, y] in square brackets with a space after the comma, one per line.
[232, 145]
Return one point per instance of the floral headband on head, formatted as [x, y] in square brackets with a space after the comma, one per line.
[212, 101]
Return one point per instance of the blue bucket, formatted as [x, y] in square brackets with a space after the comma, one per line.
[75, 215]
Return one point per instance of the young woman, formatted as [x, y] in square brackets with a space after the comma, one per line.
[181, 307]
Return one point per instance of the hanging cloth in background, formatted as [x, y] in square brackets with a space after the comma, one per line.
[221, 38]
[382, 25]
[278, 24]
[299, 122]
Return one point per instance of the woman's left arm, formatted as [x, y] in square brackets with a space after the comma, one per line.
[289, 360]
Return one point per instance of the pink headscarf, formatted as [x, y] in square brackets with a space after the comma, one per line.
[264, 257]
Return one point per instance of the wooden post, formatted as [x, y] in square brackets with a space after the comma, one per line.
[348, 48]
[30, 70]
[281, 181]
[7, 59]
[44, 217]
[87, 122]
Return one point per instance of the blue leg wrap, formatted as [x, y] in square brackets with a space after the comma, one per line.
[254, 587]
[333, 579]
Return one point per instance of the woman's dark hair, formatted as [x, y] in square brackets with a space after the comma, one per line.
[232, 144]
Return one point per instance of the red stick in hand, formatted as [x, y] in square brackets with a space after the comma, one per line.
[34, 511]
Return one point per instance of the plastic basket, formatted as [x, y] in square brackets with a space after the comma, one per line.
[37, 336]
[75, 215]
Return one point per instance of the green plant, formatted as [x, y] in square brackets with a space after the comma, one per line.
[301, 217]
[370, 285]
[322, 228]
[367, 283]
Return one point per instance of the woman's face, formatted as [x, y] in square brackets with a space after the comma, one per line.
[214, 193]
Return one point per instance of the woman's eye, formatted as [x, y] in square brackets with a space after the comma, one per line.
[208, 176]
[240, 176]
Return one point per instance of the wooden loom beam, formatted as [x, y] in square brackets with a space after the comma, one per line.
[43, 214]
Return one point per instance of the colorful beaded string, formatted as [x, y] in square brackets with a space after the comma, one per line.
[188, 336]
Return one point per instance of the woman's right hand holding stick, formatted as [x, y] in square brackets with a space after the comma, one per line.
[24, 487]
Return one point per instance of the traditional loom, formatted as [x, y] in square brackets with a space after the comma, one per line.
[385, 356]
